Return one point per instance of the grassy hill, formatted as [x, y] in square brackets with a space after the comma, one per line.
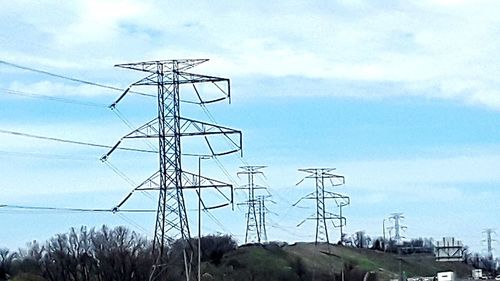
[305, 261]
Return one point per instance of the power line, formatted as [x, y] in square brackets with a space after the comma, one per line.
[50, 98]
[43, 156]
[84, 81]
[81, 210]
[71, 141]
[69, 78]
[133, 223]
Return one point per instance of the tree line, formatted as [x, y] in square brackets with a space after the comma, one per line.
[104, 254]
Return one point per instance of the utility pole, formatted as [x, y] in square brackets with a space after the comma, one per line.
[383, 233]
[199, 213]
[489, 241]
[169, 127]
[252, 233]
[398, 227]
[320, 195]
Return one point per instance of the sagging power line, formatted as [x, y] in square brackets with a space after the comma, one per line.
[77, 80]
[21, 134]
[78, 210]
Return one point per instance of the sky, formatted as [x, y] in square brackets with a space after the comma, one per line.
[402, 98]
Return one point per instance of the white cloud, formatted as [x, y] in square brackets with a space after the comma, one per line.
[437, 49]
[411, 173]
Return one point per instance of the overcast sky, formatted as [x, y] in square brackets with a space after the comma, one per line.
[402, 98]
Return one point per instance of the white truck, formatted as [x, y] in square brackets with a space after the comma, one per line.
[477, 274]
[446, 276]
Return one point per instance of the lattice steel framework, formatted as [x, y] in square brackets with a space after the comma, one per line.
[262, 211]
[252, 232]
[341, 201]
[489, 241]
[320, 195]
[398, 227]
[169, 127]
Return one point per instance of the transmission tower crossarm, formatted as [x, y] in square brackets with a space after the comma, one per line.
[303, 221]
[113, 105]
[334, 195]
[127, 90]
[150, 66]
[246, 186]
[304, 197]
[342, 220]
[203, 102]
[199, 78]
[204, 128]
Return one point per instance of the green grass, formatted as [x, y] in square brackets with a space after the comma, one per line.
[305, 260]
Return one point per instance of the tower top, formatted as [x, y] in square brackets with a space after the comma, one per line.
[150, 66]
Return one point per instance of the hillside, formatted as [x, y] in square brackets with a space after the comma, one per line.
[305, 261]
[120, 254]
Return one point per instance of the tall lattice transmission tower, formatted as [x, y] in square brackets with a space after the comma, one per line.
[342, 201]
[321, 196]
[489, 241]
[253, 229]
[169, 127]
[262, 212]
[398, 227]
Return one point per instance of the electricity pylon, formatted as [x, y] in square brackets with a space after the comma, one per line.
[320, 195]
[169, 127]
[342, 201]
[252, 232]
[489, 241]
[398, 227]
[262, 211]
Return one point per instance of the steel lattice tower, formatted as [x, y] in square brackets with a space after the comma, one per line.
[342, 201]
[252, 233]
[169, 127]
[397, 217]
[262, 211]
[489, 241]
[320, 195]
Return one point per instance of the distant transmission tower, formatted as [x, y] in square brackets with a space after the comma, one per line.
[489, 241]
[342, 201]
[320, 195]
[169, 127]
[398, 227]
[252, 233]
[262, 211]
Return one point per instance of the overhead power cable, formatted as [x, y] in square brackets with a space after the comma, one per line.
[44, 156]
[38, 208]
[70, 78]
[72, 141]
[82, 81]
[51, 98]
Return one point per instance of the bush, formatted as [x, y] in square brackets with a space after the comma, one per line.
[28, 277]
